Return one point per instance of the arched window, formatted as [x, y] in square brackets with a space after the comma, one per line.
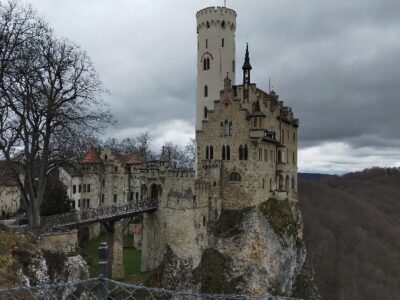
[207, 153]
[223, 24]
[281, 183]
[208, 24]
[245, 153]
[205, 112]
[240, 152]
[208, 63]
[287, 183]
[228, 153]
[230, 128]
[211, 152]
[226, 127]
[223, 152]
[235, 177]
[205, 91]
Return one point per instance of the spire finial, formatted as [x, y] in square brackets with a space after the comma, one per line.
[247, 65]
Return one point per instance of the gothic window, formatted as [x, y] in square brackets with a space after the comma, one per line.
[228, 153]
[223, 152]
[245, 152]
[205, 112]
[206, 64]
[230, 128]
[281, 183]
[205, 91]
[235, 177]
[287, 183]
[211, 152]
[240, 152]
[226, 127]
[207, 153]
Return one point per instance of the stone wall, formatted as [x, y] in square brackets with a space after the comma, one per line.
[63, 241]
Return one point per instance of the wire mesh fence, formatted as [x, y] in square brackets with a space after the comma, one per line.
[106, 289]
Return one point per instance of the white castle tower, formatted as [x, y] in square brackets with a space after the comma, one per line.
[216, 28]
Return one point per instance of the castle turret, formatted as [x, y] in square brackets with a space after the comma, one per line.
[216, 28]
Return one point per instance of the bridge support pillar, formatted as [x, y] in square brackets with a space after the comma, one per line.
[115, 239]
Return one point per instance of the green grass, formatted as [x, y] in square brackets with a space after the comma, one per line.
[131, 260]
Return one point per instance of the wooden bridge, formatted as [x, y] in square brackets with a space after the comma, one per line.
[102, 214]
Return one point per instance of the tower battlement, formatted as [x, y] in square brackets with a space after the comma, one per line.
[216, 16]
[215, 10]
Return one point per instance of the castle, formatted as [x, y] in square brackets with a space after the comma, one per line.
[246, 141]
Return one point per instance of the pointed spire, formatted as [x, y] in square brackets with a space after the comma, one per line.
[247, 65]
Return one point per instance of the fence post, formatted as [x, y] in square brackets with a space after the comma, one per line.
[102, 290]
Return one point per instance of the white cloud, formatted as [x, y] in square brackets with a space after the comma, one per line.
[339, 158]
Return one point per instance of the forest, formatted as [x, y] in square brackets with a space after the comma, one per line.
[352, 230]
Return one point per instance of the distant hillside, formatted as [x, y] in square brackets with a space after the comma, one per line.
[352, 230]
[314, 176]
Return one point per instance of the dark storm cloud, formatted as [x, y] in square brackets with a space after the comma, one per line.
[335, 62]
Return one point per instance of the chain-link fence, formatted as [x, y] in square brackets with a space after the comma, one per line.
[106, 289]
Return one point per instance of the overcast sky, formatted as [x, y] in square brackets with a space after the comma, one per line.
[337, 63]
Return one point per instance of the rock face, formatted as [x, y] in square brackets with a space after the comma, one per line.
[24, 263]
[254, 251]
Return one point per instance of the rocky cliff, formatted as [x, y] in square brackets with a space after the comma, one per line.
[24, 263]
[255, 251]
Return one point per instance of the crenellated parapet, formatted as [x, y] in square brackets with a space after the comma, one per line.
[216, 16]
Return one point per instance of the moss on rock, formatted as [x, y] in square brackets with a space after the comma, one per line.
[16, 252]
[230, 222]
[212, 274]
[280, 217]
[55, 263]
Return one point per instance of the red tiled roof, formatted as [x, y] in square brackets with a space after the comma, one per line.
[130, 159]
[91, 157]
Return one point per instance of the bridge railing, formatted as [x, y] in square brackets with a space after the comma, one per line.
[99, 213]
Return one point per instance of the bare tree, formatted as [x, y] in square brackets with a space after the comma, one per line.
[181, 157]
[50, 100]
